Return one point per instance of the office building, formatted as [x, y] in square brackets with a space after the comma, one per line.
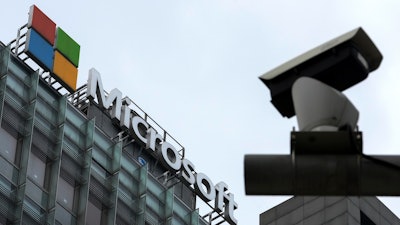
[81, 156]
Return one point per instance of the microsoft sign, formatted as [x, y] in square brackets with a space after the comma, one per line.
[52, 48]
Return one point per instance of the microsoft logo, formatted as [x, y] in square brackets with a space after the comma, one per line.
[52, 48]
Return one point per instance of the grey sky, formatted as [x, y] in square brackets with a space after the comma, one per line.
[194, 67]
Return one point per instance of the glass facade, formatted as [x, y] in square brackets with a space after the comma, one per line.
[60, 163]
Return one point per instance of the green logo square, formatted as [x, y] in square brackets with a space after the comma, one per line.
[67, 46]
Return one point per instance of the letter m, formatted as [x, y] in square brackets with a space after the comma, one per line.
[113, 99]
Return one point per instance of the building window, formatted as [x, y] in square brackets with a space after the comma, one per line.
[36, 182]
[36, 169]
[67, 198]
[63, 216]
[8, 145]
[65, 194]
[93, 212]
[8, 149]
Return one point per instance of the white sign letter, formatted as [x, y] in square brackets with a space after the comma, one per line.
[95, 89]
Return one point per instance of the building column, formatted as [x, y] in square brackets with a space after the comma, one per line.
[114, 181]
[4, 59]
[168, 205]
[26, 142]
[141, 177]
[55, 166]
[84, 186]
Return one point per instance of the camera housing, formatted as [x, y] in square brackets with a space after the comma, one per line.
[339, 63]
[320, 107]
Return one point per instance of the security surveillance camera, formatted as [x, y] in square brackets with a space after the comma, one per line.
[320, 107]
[326, 155]
[339, 63]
